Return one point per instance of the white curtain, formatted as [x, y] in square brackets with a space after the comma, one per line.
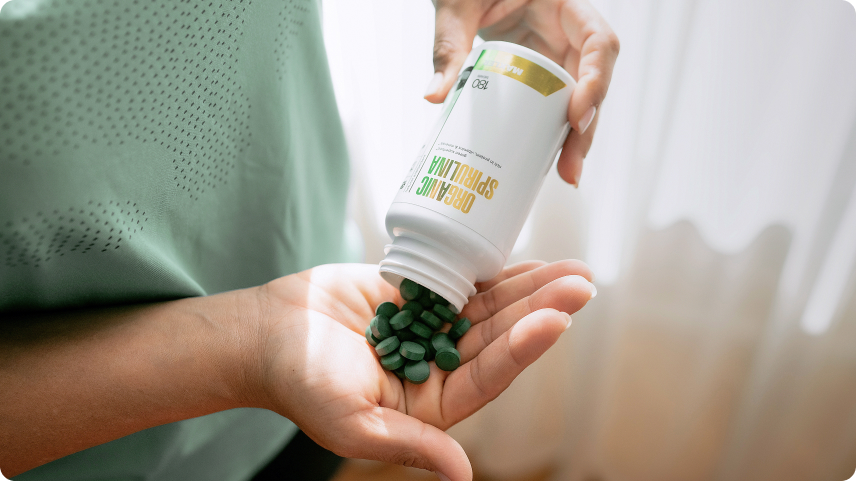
[718, 211]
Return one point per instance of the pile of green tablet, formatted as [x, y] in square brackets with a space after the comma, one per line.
[407, 339]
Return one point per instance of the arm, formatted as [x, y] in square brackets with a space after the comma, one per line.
[295, 346]
[73, 380]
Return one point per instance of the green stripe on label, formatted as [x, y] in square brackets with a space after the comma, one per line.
[520, 69]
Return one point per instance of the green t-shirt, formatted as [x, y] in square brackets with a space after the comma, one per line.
[159, 150]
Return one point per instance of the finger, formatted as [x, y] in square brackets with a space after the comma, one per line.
[504, 15]
[455, 27]
[574, 152]
[533, 40]
[479, 381]
[393, 437]
[598, 47]
[528, 29]
[509, 271]
[506, 20]
[567, 294]
[486, 304]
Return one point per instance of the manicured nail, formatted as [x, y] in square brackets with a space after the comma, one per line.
[593, 291]
[567, 320]
[587, 118]
[435, 84]
[442, 476]
[576, 182]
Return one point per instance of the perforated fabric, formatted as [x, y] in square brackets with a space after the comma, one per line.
[162, 149]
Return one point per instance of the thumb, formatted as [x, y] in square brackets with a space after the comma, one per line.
[455, 26]
[397, 438]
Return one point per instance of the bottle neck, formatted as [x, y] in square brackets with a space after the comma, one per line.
[438, 269]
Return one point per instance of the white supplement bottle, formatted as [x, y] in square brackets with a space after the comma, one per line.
[461, 207]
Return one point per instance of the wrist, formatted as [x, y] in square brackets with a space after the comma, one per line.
[271, 363]
[235, 326]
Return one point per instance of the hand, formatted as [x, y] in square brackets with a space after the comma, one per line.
[318, 370]
[570, 32]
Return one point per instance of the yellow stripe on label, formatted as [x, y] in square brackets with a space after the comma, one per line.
[520, 69]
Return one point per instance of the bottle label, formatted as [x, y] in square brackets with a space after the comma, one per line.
[518, 68]
[486, 157]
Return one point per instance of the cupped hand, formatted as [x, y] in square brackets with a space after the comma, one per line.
[318, 370]
[570, 32]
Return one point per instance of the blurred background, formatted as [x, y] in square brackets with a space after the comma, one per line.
[717, 209]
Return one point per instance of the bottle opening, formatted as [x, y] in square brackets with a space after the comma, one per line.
[440, 271]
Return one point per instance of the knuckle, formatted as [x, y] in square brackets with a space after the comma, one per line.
[590, 135]
[410, 459]
[518, 362]
[612, 43]
[443, 51]
[548, 296]
[478, 381]
[486, 333]
[569, 267]
[490, 301]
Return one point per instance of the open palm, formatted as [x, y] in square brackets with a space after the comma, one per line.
[319, 371]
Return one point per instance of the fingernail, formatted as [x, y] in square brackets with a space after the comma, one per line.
[576, 182]
[587, 118]
[442, 476]
[568, 320]
[434, 84]
[593, 291]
